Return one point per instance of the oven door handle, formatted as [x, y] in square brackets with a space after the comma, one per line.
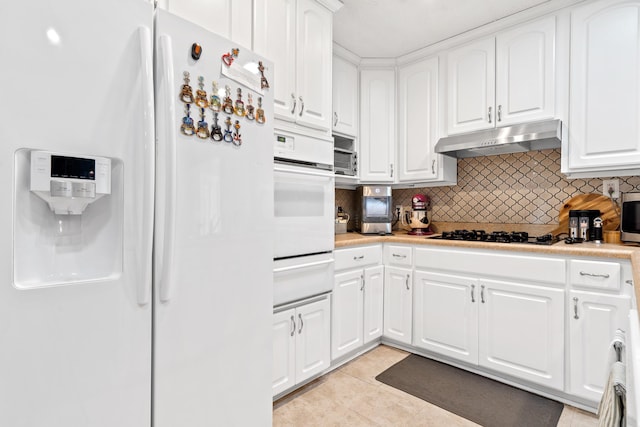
[327, 174]
[299, 266]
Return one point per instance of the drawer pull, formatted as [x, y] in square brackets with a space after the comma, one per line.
[575, 308]
[356, 258]
[629, 282]
[582, 273]
[473, 291]
[399, 256]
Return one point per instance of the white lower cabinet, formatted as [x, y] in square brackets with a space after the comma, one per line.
[508, 327]
[398, 296]
[356, 315]
[301, 343]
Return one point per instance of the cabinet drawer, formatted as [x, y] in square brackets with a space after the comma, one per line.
[486, 262]
[594, 274]
[398, 255]
[357, 257]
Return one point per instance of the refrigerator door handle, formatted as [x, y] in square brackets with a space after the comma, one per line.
[147, 152]
[167, 169]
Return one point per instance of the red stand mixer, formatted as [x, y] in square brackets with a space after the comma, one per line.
[416, 220]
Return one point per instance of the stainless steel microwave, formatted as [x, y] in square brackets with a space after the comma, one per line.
[630, 218]
[345, 162]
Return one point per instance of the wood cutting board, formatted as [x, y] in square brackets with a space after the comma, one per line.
[610, 218]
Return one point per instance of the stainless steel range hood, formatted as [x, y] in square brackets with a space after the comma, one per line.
[508, 139]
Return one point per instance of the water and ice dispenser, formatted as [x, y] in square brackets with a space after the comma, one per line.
[68, 218]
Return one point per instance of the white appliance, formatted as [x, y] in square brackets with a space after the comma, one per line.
[151, 304]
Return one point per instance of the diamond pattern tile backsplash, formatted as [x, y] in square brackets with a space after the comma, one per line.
[522, 188]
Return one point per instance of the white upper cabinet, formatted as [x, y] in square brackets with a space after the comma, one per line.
[498, 81]
[377, 125]
[228, 18]
[471, 87]
[296, 35]
[525, 73]
[604, 99]
[418, 115]
[345, 97]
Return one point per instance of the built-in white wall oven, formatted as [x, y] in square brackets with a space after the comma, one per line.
[304, 230]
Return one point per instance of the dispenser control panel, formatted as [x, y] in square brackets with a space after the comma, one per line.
[69, 183]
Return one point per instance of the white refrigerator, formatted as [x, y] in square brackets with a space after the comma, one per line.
[136, 260]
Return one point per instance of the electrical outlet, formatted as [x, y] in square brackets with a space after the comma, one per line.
[398, 210]
[611, 188]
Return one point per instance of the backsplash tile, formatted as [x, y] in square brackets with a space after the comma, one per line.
[521, 188]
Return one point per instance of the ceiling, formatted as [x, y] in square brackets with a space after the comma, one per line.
[392, 28]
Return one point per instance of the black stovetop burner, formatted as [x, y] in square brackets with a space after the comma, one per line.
[497, 236]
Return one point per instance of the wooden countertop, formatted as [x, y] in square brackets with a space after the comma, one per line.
[606, 250]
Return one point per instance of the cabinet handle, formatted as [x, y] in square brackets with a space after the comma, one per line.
[335, 119]
[301, 323]
[482, 294]
[489, 114]
[356, 258]
[473, 291]
[499, 113]
[362, 282]
[399, 256]
[406, 282]
[293, 110]
[391, 166]
[433, 166]
[629, 282]
[301, 106]
[575, 308]
[293, 325]
[582, 273]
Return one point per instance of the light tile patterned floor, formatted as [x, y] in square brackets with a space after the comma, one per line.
[350, 396]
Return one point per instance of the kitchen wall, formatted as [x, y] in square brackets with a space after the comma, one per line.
[522, 188]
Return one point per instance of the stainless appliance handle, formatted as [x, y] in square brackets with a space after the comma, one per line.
[293, 109]
[473, 292]
[583, 273]
[166, 167]
[406, 282]
[489, 115]
[301, 323]
[293, 325]
[146, 152]
[482, 294]
[575, 308]
[299, 266]
[301, 106]
[362, 282]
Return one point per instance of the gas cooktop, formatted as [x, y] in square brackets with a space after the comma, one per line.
[497, 237]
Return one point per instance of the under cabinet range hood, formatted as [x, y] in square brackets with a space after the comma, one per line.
[504, 140]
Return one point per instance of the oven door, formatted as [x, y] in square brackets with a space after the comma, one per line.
[303, 210]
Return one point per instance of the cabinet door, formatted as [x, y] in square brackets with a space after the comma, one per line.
[418, 121]
[347, 313]
[446, 315]
[284, 351]
[521, 331]
[274, 38]
[313, 64]
[373, 303]
[604, 99]
[471, 87]
[525, 73]
[377, 129]
[345, 97]
[593, 320]
[398, 290]
[313, 342]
